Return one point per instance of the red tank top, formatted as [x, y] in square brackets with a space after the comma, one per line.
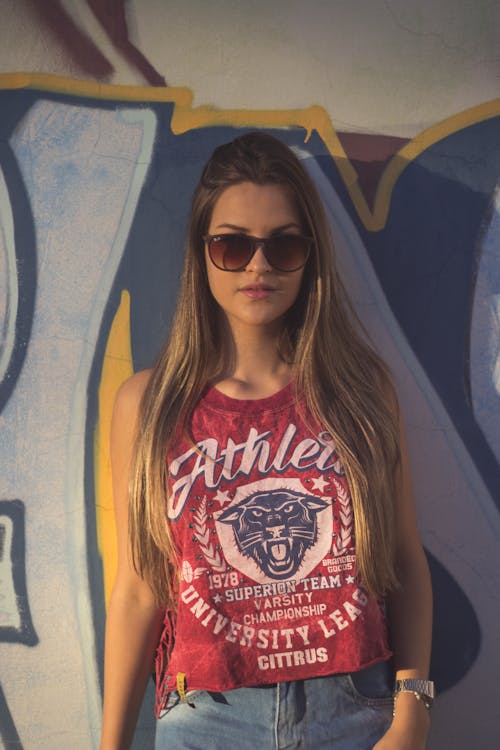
[261, 512]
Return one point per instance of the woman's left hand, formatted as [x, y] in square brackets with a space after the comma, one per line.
[397, 739]
[409, 728]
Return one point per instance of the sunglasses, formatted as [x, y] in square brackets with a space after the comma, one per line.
[233, 252]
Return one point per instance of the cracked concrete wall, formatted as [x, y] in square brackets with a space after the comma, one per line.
[94, 190]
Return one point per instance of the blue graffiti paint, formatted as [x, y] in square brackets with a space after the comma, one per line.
[456, 635]
[15, 617]
[14, 105]
[8, 731]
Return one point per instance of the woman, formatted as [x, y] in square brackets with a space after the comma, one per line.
[268, 549]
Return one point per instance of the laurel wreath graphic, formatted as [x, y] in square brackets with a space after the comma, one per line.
[187, 572]
[202, 534]
[346, 520]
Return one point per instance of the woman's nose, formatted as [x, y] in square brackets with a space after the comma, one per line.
[258, 262]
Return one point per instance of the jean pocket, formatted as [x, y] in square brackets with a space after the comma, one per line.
[373, 685]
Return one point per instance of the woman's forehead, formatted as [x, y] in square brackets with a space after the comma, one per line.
[244, 206]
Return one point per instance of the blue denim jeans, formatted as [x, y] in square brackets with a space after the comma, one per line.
[340, 712]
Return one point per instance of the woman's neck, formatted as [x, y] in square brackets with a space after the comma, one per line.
[258, 369]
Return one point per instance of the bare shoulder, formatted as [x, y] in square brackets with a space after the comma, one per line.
[124, 426]
[127, 406]
[131, 391]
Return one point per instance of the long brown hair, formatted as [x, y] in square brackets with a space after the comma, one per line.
[345, 384]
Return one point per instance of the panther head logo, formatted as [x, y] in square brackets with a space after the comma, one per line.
[275, 528]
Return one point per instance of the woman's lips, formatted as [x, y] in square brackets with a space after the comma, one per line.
[257, 291]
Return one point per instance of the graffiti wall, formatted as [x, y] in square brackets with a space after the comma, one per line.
[107, 112]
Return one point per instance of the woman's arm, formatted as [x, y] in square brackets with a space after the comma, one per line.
[410, 619]
[133, 619]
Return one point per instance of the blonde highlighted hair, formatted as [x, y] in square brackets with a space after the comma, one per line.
[345, 384]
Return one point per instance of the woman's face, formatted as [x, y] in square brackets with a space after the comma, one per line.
[258, 295]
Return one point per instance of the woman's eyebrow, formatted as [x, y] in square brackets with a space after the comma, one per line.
[234, 227]
[244, 230]
[284, 227]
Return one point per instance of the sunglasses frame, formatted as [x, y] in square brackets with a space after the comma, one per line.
[255, 243]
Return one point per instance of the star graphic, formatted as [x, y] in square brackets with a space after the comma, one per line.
[319, 484]
[349, 579]
[222, 497]
[217, 598]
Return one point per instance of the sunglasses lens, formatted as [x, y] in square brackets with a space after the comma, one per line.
[230, 252]
[284, 252]
[287, 252]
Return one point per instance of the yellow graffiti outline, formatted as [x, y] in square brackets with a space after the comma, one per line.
[116, 367]
[314, 118]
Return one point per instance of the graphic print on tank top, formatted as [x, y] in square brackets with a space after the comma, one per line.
[272, 529]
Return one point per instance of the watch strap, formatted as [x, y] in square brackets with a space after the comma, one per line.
[422, 689]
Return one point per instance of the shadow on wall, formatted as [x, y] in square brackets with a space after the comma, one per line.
[81, 49]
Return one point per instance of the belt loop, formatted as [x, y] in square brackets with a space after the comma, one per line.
[180, 682]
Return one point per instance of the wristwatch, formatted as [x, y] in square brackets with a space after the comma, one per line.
[423, 690]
